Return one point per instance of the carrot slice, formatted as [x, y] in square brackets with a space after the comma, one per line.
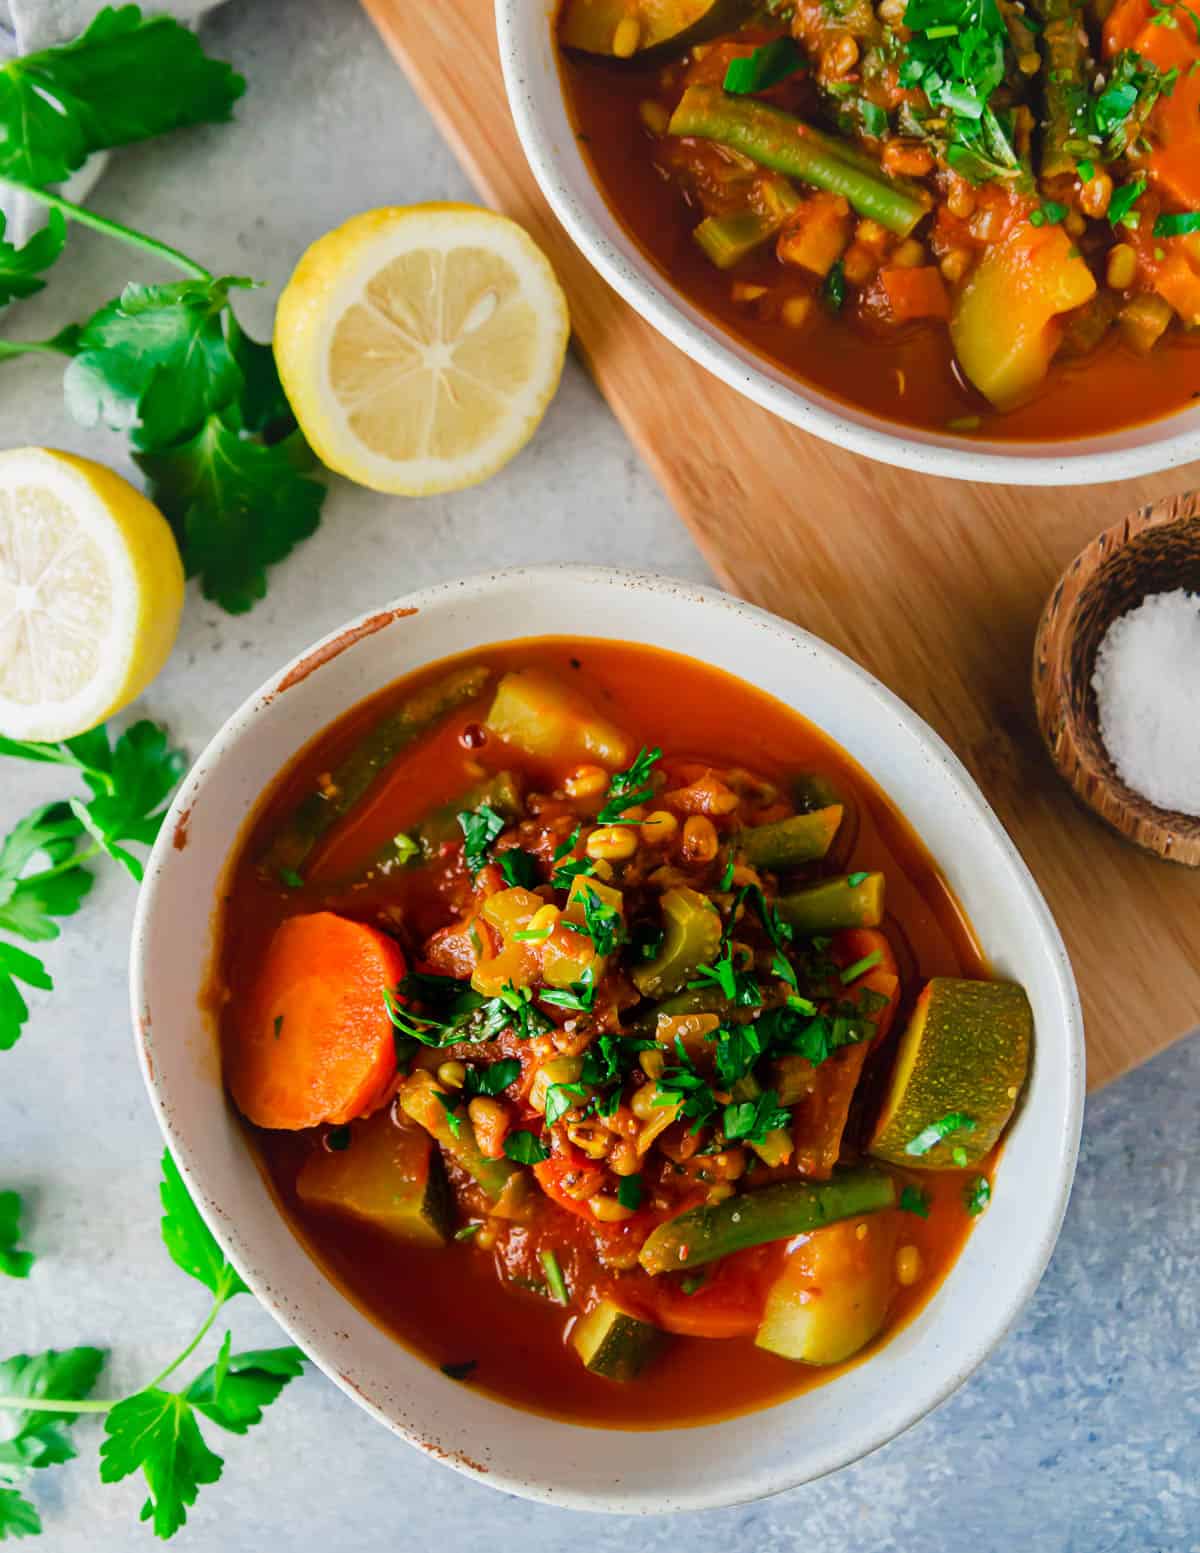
[313, 1042]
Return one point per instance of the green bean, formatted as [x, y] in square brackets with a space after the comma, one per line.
[753, 1218]
[728, 239]
[775, 139]
[1064, 62]
[500, 792]
[849, 900]
[320, 811]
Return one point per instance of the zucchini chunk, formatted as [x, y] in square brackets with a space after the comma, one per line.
[800, 839]
[636, 29]
[964, 1054]
[833, 1295]
[387, 1175]
[613, 1343]
[834, 904]
[693, 936]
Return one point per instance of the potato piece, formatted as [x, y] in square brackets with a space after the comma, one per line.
[1004, 324]
[833, 1295]
[544, 717]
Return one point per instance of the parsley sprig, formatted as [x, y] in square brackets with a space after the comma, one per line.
[155, 1431]
[629, 788]
[14, 1262]
[128, 784]
[168, 364]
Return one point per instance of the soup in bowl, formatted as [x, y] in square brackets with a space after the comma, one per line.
[612, 1049]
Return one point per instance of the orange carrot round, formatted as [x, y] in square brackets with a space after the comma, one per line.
[313, 1042]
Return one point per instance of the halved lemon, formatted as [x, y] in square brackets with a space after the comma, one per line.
[91, 591]
[420, 346]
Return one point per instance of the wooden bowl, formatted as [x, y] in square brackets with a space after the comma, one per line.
[1154, 550]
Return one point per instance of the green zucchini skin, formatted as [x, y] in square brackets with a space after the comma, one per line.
[614, 1344]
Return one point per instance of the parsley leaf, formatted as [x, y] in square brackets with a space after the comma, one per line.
[629, 1191]
[13, 1261]
[234, 1391]
[494, 1079]
[560, 1098]
[237, 506]
[157, 1432]
[16, 965]
[18, 1518]
[602, 923]
[754, 1119]
[21, 268]
[480, 827]
[978, 1195]
[1177, 224]
[190, 1241]
[106, 88]
[833, 287]
[629, 788]
[937, 1132]
[519, 867]
[31, 1439]
[525, 1148]
[1120, 206]
[914, 1200]
[766, 67]
[738, 1048]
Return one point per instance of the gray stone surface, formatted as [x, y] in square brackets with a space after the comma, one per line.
[1080, 1435]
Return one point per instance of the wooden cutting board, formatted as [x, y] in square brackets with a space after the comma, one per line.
[933, 585]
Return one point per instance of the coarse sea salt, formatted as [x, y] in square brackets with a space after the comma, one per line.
[1147, 684]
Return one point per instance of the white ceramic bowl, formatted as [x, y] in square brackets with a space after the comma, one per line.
[521, 1452]
[535, 95]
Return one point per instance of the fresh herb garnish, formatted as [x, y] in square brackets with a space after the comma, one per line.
[525, 1148]
[1049, 213]
[460, 1369]
[561, 1098]
[519, 867]
[738, 1048]
[129, 785]
[629, 1191]
[1120, 206]
[155, 1430]
[492, 1080]
[565, 875]
[737, 987]
[693, 1283]
[555, 1281]
[601, 922]
[978, 1195]
[449, 1104]
[579, 998]
[480, 827]
[468, 1231]
[14, 1263]
[1086, 171]
[782, 967]
[629, 788]
[833, 287]
[766, 67]
[405, 848]
[938, 1132]
[338, 1139]
[860, 967]
[854, 880]
[727, 877]
[1177, 224]
[914, 1200]
[754, 1119]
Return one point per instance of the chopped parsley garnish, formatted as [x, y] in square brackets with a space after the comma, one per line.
[1049, 213]
[492, 1080]
[561, 1098]
[278, 1026]
[809, 1034]
[693, 1283]
[754, 1119]
[461, 1369]
[290, 878]
[519, 867]
[601, 922]
[776, 929]
[525, 1148]
[766, 67]
[978, 1195]
[1086, 171]
[579, 998]
[449, 1104]
[727, 876]
[1120, 207]
[629, 788]
[861, 967]
[338, 1139]
[833, 287]
[1177, 224]
[782, 967]
[629, 1191]
[914, 1200]
[738, 1048]
[555, 1281]
[938, 1132]
[468, 1231]
[737, 987]
[874, 119]
[405, 848]
[480, 827]
[854, 880]
[959, 1156]
[682, 1086]
[565, 875]
[646, 940]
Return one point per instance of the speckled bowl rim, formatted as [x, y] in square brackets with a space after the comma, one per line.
[317, 1339]
[554, 158]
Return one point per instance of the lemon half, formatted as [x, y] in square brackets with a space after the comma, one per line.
[421, 346]
[91, 591]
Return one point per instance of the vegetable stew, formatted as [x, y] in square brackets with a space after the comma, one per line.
[608, 1036]
[980, 216]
